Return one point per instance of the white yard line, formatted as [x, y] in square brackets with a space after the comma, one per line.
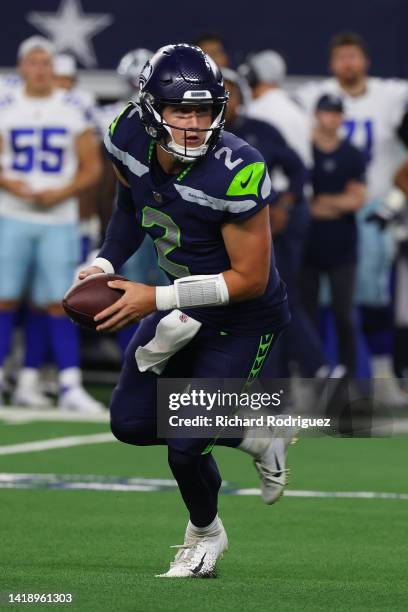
[42, 445]
[27, 415]
[329, 494]
[149, 485]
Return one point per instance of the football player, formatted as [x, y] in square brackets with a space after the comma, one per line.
[203, 197]
[48, 156]
[142, 266]
[376, 122]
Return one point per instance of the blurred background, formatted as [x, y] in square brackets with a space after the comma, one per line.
[346, 269]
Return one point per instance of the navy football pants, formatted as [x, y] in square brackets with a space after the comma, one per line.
[209, 354]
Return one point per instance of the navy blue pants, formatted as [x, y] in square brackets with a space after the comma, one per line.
[209, 354]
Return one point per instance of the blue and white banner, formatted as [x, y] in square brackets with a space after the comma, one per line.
[99, 32]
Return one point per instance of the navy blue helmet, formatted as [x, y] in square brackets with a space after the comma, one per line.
[181, 74]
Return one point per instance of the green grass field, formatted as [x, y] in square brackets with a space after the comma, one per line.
[304, 553]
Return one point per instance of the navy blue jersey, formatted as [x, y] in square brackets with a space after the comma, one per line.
[274, 149]
[184, 214]
[333, 242]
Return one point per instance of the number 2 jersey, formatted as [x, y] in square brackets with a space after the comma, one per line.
[38, 138]
[184, 214]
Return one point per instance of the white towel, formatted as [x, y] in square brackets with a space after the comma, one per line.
[173, 332]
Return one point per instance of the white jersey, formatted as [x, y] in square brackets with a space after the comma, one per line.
[277, 108]
[38, 146]
[104, 115]
[371, 121]
[10, 82]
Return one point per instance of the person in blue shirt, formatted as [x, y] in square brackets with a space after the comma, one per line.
[203, 197]
[338, 179]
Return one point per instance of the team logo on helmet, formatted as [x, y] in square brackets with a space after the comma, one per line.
[145, 75]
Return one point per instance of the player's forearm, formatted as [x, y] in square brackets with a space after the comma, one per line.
[401, 178]
[3, 182]
[210, 290]
[343, 203]
[320, 211]
[84, 179]
[123, 238]
[242, 287]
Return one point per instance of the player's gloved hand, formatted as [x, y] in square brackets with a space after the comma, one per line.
[137, 302]
[89, 271]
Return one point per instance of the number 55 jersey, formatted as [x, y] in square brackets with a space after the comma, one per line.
[184, 215]
[38, 147]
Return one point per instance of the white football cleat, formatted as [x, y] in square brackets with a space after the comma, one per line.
[77, 399]
[30, 397]
[270, 459]
[271, 467]
[197, 557]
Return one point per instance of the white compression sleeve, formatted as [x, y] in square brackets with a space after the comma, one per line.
[193, 292]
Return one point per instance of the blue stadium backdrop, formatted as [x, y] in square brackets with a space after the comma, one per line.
[98, 32]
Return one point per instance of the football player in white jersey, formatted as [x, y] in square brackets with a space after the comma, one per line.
[66, 77]
[265, 72]
[376, 123]
[48, 156]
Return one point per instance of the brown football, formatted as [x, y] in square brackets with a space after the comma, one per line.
[90, 296]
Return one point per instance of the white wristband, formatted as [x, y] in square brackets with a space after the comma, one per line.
[166, 298]
[197, 291]
[104, 264]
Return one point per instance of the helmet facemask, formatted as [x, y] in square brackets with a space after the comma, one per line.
[180, 75]
[161, 130]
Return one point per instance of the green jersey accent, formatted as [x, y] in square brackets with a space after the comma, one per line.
[115, 122]
[182, 174]
[246, 181]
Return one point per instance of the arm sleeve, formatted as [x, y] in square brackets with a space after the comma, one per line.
[116, 141]
[250, 190]
[123, 235]
[292, 166]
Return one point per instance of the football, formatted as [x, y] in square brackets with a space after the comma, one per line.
[88, 297]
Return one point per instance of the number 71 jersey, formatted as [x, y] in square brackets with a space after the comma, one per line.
[38, 146]
[371, 123]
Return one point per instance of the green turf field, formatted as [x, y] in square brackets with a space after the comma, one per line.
[304, 553]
